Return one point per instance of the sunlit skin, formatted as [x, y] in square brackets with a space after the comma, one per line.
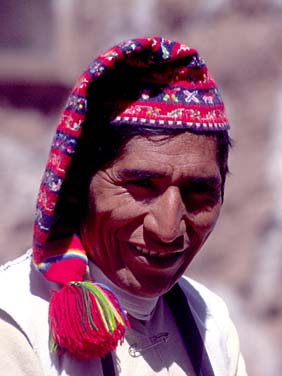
[152, 209]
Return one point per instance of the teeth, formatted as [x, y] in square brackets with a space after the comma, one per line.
[143, 251]
[147, 252]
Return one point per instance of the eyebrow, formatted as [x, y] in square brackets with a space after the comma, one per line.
[210, 181]
[138, 174]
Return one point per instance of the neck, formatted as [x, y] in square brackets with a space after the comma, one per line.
[139, 307]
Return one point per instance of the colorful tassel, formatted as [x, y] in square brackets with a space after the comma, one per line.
[86, 320]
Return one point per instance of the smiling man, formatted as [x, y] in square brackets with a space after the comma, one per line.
[152, 209]
[132, 189]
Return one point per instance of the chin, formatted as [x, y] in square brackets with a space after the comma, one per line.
[150, 287]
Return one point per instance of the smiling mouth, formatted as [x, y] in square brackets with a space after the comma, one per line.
[158, 256]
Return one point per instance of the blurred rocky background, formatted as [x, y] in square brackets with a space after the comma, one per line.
[44, 46]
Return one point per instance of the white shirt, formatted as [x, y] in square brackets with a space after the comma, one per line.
[24, 302]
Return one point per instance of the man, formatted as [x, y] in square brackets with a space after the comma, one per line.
[132, 189]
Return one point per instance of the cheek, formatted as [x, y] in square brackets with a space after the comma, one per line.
[113, 217]
[116, 203]
[110, 200]
[204, 222]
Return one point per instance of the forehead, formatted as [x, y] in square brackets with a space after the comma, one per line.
[183, 154]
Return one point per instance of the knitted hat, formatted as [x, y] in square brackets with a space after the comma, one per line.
[155, 83]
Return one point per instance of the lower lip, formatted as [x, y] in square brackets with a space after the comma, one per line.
[155, 261]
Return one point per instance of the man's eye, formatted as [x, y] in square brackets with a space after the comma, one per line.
[141, 183]
[199, 201]
[141, 189]
[206, 201]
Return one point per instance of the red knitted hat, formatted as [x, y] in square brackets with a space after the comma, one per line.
[154, 82]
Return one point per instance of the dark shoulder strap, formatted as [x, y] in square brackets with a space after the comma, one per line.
[108, 365]
[187, 326]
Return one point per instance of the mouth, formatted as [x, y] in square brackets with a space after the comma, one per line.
[156, 257]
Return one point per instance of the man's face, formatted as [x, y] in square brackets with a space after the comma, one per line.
[152, 209]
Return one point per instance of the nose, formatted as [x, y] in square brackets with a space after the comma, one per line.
[165, 219]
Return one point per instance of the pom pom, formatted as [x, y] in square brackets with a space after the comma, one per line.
[86, 320]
